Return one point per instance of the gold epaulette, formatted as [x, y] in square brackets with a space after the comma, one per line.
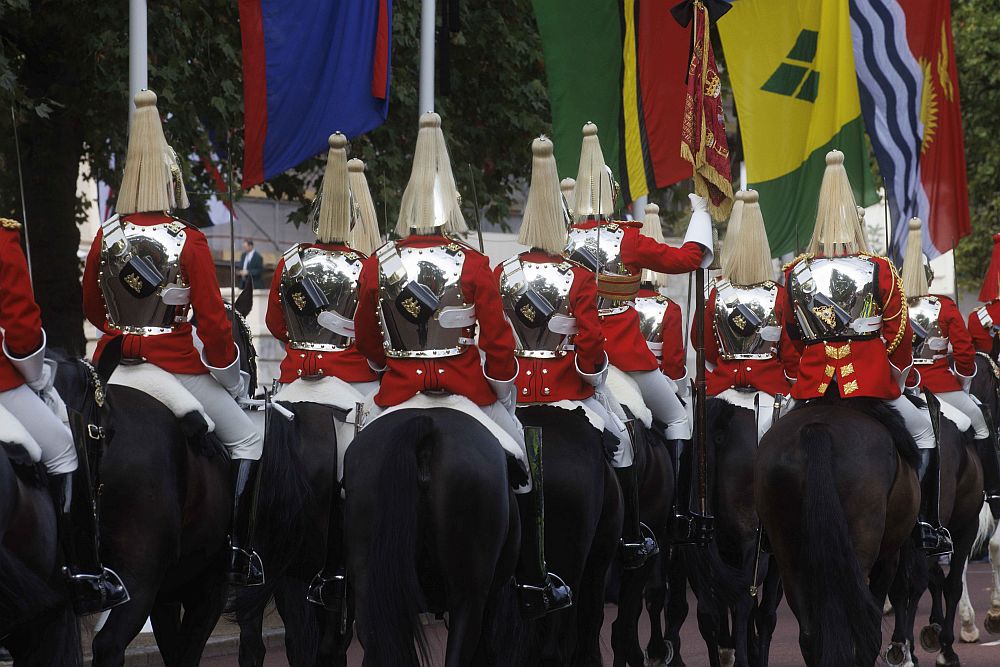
[7, 223]
[805, 255]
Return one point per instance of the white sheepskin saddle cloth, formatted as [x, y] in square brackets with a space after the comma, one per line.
[161, 385]
[464, 405]
[595, 419]
[626, 392]
[20, 446]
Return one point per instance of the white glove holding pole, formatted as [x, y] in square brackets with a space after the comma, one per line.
[700, 229]
[594, 379]
[506, 390]
[232, 379]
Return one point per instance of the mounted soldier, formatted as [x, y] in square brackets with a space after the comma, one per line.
[314, 295]
[618, 252]
[28, 399]
[939, 332]
[421, 299]
[145, 272]
[984, 322]
[749, 349]
[847, 315]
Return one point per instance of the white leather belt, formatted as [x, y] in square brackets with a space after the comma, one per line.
[456, 317]
[175, 295]
[864, 325]
[656, 349]
[563, 324]
[335, 322]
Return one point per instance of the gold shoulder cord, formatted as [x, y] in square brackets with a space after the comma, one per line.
[7, 223]
[805, 255]
[903, 309]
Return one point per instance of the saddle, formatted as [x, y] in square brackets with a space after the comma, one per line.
[626, 391]
[20, 447]
[164, 387]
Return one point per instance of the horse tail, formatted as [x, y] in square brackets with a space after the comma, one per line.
[23, 594]
[280, 529]
[843, 614]
[394, 598]
[985, 530]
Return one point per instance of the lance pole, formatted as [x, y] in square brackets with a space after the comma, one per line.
[232, 217]
[475, 202]
[427, 25]
[24, 203]
[137, 52]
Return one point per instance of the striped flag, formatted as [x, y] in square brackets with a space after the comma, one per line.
[792, 69]
[620, 64]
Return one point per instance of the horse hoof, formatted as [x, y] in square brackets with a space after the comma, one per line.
[896, 654]
[727, 657]
[948, 661]
[887, 608]
[969, 635]
[992, 622]
[655, 662]
[930, 638]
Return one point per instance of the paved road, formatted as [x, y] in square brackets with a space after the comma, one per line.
[784, 652]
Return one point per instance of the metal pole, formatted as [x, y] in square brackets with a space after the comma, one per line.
[24, 203]
[137, 51]
[427, 28]
[232, 219]
[639, 208]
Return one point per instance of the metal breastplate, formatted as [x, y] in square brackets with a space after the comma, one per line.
[744, 322]
[159, 246]
[335, 274]
[652, 310]
[836, 298]
[535, 299]
[928, 343]
[600, 249]
[421, 306]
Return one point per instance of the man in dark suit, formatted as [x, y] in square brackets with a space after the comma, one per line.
[251, 265]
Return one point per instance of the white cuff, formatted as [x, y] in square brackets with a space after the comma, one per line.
[593, 379]
[504, 389]
[700, 229]
[965, 381]
[377, 369]
[899, 376]
[30, 367]
[229, 376]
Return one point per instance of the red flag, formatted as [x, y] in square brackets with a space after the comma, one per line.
[703, 137]
[942, 159]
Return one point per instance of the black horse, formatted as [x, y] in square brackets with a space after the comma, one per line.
[37, 623]
[583, 507]
[835, 486]
[431, 524]
[656, 494]
[292, 542]
[961, 501]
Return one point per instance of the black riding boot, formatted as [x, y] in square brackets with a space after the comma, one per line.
[638, 543]
[245, 567]
[538, 591]
[687, 526]
[329, 587]
[94, 587]
[987, 450]
[932, 536]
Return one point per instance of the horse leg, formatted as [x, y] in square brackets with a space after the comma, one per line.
[656, 597]
[166, 621]
[124, 623]
[202, 610]
[953, 586]
[969, 632]
[625, 629]
[992, 622]
[677, 605]
[301, 623]
[465, 629]
[930, 635]
[903, 597]
[252, 648]
[766, 614]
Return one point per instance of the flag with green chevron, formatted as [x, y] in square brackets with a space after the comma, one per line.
[796, 94]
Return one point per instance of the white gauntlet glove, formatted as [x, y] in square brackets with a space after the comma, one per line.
[593, 379]
[232, 379]
[506, 390]
[700, 229]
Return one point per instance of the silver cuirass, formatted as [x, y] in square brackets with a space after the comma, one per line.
[535, 299]
[600, 248]
[928, 343]
[836, 298]
[157, 246]
[745, 323]
[421, 305]
[335, 274]
[652, 310]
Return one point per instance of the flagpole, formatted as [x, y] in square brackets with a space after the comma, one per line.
[639, 208]
[427, 25]
[137, 51]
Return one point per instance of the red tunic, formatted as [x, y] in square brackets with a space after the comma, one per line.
[462, 374]
[556, 379]
[623, 340]
[938, 377]
[20, 318]
[349, 365]
[861, 367]
[673, 362]
[173, 352]
[981, 338]
[768, 375]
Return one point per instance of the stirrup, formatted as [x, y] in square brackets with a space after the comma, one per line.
[537, 601]
[692, 528]
[934, 541]
[635, 555]
[245, 568]
[328, 592]
[93, 593]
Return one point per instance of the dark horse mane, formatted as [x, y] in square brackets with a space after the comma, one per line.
[882, 413]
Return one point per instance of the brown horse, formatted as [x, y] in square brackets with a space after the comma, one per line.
[961, 501]
[836, 488]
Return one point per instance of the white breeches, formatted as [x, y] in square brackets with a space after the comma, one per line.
[658, 393]
[765, 411]
[233, 426]
[615, 423]
[964, 403]
[918, 422]
[52, 435]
